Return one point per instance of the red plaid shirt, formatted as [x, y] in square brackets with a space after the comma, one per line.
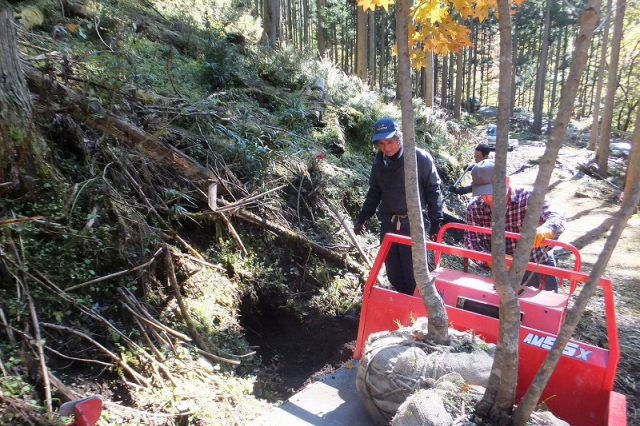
[479, 214]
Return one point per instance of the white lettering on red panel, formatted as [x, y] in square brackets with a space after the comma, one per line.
[573, 350]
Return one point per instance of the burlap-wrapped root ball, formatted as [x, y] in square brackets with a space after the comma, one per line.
[448, 402]
[397, 364]
[451, 402]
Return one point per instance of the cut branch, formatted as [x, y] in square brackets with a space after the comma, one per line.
[185, 312]
[106, 351]
[116, 274]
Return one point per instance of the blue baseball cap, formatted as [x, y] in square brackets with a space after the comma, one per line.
[384, 128]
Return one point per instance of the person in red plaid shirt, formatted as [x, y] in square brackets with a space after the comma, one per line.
[551, 222]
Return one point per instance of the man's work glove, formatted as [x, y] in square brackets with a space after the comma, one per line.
[469, 167]
[358, 228]
[434, 228]
[490, 261]
[453, 189]
[541, 233]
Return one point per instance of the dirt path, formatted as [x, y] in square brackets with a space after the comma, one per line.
[588, 205]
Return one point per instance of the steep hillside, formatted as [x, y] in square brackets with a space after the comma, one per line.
[188, 205]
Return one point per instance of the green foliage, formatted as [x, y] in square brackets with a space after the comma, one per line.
[294, 116]
[16, 135]
[248, 154]
[223, 65]
[339, 296]
[282, 67]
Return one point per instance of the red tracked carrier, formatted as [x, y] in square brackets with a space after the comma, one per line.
[580, 390]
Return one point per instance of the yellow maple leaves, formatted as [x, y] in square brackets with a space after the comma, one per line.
[439, 25]
[371, 4]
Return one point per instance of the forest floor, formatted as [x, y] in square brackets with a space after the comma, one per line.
[299, 352]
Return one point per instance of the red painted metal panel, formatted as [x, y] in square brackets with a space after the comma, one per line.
[543, 310]
[617, 410]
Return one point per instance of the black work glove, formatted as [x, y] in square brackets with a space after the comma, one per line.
[453, 189]
[358, 228]
[469, 167]
[433, 231]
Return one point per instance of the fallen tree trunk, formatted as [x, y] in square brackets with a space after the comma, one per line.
[148, 145]
[291, 236]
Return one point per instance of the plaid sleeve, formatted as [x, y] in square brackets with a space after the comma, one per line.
[478, 214]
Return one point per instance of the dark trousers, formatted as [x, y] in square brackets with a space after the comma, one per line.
[550, 282]
[399, 261]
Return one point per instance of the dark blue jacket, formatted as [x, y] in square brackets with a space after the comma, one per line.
[387, 194]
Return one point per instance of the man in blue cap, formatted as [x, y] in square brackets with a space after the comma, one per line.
[387, 195]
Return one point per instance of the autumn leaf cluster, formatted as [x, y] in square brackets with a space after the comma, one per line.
[440, 26]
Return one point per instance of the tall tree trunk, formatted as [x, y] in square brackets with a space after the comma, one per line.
[289, 20]
[382, 63]
[444, 82]
[469, 83]
[306, 25]
[541, 75]
[495, 400]
[301, 24]
[595, 46]
[499, 396]
[24, 154]
[272, 22]
[482, 68]
[428, 79]
[321, 38]
[437, 330]
[475, 57]
[627, 118]
[371, 48]
[459, 74]
[632, 180]
[436, 59]
[361, 44]
[612, 84]
[487, 80]
[514, 62]
[556, 66]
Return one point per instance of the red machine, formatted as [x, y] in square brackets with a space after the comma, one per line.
[580, 390]
[86, 411]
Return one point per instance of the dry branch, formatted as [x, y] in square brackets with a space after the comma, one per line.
[39, 350]
[106, 351]
[23, 410]
[115, 274]
[47, 284]
[185, 312]
[145, 316]
[38, 347]
[289, 235]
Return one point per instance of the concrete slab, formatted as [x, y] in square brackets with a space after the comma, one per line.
[331, 401]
